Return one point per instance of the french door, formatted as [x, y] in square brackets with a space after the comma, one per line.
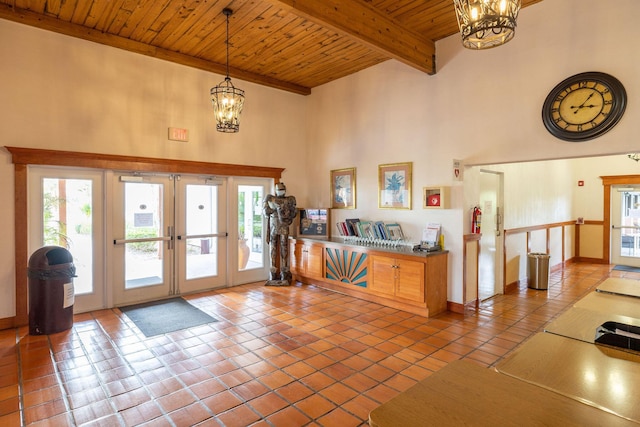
[169, 236]
[140, 237]
[253, 262]
[625, 220]
[201, 237]
[67, 210]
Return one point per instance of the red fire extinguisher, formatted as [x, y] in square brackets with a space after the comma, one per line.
[476, 220]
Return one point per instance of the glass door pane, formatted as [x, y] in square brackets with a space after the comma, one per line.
[144, 225]
[201, 233]
[70, 204]
[250, 227]
[625, 236]
[250, 263]
[67, 222]
[143, 238]
[202, 224]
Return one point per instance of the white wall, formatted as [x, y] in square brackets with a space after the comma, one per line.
[482, 107]
[64, 93]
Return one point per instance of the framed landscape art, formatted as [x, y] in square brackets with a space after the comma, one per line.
[394, 186]
[343, 188]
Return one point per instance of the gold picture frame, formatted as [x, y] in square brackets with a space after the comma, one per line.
[343, 188]
[394, 186]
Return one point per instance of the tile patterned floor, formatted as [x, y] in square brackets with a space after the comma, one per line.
[290, 356]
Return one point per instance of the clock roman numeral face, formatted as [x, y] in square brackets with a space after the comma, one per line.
[584, 106]
[581, 106]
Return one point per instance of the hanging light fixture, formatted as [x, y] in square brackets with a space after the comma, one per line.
[227, 99]
[486, 23]
[634, 156]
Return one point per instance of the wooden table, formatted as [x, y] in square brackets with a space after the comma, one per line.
[599, 376]
[463, 393]
[611, 304]
[581, 323]
[614, 285]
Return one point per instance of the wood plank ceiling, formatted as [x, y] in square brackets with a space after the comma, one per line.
[292, 45]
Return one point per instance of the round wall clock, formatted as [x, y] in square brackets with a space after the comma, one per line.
[584, 106]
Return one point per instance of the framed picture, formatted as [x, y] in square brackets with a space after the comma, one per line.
[313, 223]
[394, 186]
[343, 188]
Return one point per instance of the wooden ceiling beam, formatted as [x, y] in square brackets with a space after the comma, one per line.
[52, 24]
[357, 20]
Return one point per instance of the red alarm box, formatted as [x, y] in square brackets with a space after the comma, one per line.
[433, 200]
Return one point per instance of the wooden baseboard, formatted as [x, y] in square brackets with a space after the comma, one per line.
[410, 307]
[514, 286]
[7, 323]
[590, 260]
[455, 307]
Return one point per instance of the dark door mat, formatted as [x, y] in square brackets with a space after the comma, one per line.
[627, 268]
[162, 317]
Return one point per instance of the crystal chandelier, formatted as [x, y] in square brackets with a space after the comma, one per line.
[486, 23]
[227, 99]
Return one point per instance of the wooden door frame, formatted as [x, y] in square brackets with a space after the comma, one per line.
[607, 182]
[23, 157]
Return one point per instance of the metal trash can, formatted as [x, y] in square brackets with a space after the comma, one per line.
[51, 295]
[538, 268]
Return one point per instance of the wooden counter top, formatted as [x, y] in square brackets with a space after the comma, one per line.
[611, 304]
[602, 377]
[615, 285]
[581, 323]
[463, 393]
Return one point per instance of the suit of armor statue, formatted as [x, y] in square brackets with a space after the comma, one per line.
[280, 211]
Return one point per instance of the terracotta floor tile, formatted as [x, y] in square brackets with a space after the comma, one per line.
[418, 373]
[339, 417]
[360, 406]
[222, 402]
[268, 403]
[289, 417]
[46, 410]
[190, 415]
[86, 397]
[293, 356]
[250, 390]
[141, 413]
[338, 393]
[10, 405]
[339, 371]
[378, 372]
[240, 416]
[92, 411]
[38, 397]
[299, 369]
[294, 391]
[315, 406]
[235, 378]
[276, 379]
[400, 382]
[176, 400]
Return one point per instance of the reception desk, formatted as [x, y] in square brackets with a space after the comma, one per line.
[463, 393]
[600, 376]
[560, 378]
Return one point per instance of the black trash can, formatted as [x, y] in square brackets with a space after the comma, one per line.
[51, 295]
[538, 277]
